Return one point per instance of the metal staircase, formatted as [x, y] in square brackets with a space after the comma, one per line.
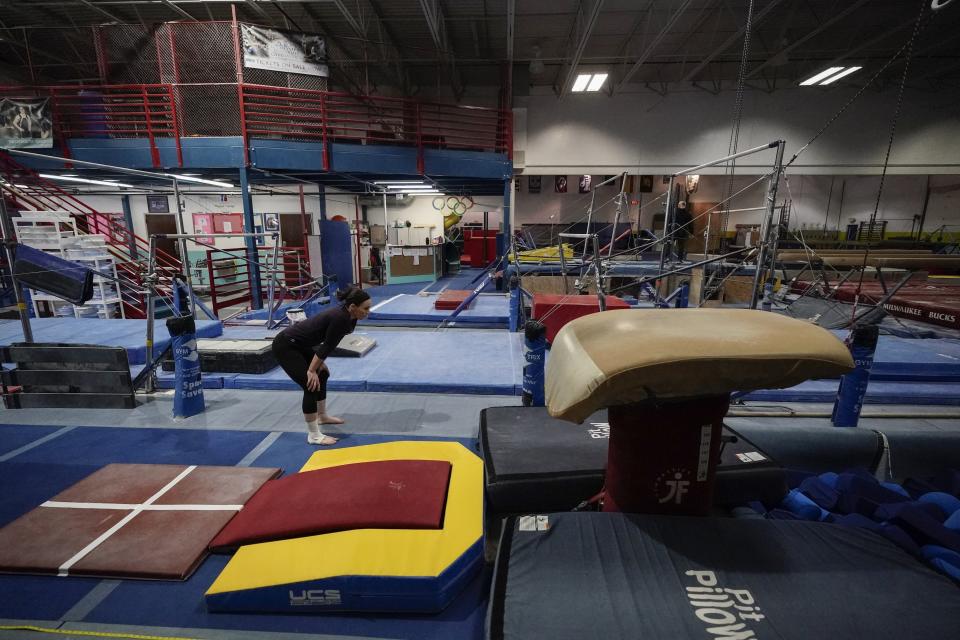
[24, 189]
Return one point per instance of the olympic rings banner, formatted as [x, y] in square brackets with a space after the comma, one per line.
[285, 51]
[26, 123]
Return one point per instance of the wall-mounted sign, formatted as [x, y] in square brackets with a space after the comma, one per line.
[158, 204]
[286, 51]
[25, 123]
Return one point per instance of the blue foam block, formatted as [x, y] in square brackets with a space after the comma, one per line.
[947, 503]
[803, 507]
[945, 560]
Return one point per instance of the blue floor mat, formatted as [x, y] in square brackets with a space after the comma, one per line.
[180, 604]
[14, 436]
[488, 362]
[290, 451]
[925, 393]
[484, 309]
[130, 334]
[102, 445]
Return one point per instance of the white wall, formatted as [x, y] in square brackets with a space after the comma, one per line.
[647, 133]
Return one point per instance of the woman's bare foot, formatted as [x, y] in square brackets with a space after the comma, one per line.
[329, 420]
[321, 440]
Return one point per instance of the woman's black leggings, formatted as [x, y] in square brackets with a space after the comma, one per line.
[295, 360]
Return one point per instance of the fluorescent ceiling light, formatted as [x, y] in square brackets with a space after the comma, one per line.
[597, 82]
[420, 193]
[581, 82]
[842, 74]
[823, 75]
[410, 186]
[400, 182]
[213, 183]
[50, 176]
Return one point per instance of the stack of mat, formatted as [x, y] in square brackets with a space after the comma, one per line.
[450, 300]
[555, 311]
[922, 517]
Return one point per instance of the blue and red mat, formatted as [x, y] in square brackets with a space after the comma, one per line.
[35, 474]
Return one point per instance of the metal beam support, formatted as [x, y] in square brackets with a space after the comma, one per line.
[253, 267]
[757, 19]
[102, 11]
[437, 24]
[590, 23]
[179, 10]
[370, 18]
[9, 241]
[820, 29]
[653, 45]
[507, 224]
[128, 220]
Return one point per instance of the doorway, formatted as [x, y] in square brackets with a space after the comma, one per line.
[163, 223]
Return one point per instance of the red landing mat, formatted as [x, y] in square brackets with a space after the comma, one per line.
[450, 300]
[557, 310]
[130, 521]
[389, 494]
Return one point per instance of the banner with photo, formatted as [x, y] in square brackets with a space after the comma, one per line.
[26, 123]
[559, 184]
[285, 51]
[533, 184]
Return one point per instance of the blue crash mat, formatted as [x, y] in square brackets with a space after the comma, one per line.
[485, 309]
[130, 334]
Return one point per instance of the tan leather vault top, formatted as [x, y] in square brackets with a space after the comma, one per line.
[624, 356]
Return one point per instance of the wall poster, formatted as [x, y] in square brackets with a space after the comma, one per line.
[203, 223]
[560, 184]
[286, 51]
[26, 123]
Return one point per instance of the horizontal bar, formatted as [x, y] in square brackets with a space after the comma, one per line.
[728, 158]
[187, 236]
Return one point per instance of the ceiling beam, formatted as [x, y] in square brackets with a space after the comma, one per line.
[729, 42]
[809, 36]
[437, 24]
[179, 10]
[102, 11]
[588, 25]
[671, 21]
[353, 84]
[370, 19]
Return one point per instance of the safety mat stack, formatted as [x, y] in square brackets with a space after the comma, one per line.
[613, 575]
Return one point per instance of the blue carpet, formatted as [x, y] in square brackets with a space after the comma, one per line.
[130, 334]
[102, 445]
[14, 436]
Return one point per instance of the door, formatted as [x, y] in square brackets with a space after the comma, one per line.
[700, 218]
[163, 223]
[292, 229]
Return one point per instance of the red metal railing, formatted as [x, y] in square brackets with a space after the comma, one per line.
[149, 111]
[230, 275]
[325, 116]
[26, 190]
[110, 111]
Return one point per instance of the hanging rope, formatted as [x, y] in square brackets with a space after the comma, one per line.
[737, 115]
[917, 28]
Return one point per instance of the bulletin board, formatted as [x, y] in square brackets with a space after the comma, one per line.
[228, 223]
[203, 223]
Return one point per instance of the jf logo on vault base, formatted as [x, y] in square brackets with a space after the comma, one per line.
[415, 570]
[130, 521]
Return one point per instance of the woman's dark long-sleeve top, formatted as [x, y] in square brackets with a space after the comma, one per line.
[323, 332]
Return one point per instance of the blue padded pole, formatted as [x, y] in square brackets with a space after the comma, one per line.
[853, 386]
[535, 353]
[514, 304]
[256, 292]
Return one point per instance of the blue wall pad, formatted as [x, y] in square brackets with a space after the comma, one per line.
[337, 252]
[484, 363]
[102, 445]
[130, 334]
[485, 309]
[926, 393]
